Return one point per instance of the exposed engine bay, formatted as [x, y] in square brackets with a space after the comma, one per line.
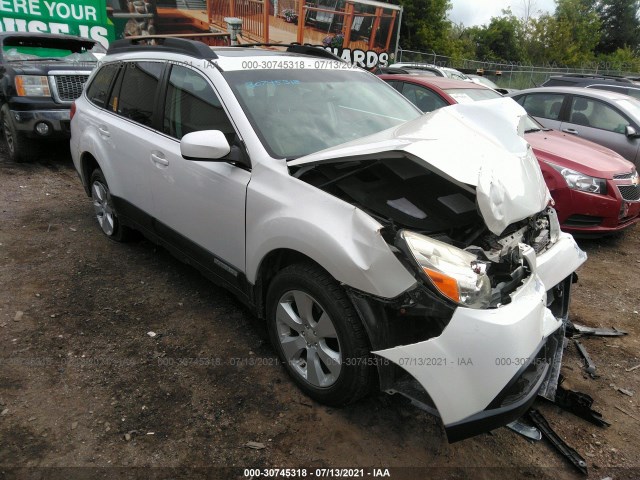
[402, 194]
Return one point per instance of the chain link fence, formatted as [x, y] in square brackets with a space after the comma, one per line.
[515, 74]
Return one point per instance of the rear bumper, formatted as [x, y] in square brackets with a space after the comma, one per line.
[58, 122]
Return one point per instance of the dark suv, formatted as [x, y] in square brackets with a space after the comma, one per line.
[612, 83]
[40, 76]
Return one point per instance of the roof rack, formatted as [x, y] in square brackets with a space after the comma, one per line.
[617, 78]
[306, 49]
[163, 44]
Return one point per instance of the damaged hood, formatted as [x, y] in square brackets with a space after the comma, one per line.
[478, 144]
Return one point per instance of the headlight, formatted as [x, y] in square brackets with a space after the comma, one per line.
[32, 86]
[456, 274]
[582, 182]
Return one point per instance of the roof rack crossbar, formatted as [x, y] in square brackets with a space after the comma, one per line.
[306, 49]
[192, 48]
[618, 78]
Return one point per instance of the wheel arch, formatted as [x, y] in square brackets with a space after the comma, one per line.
[268, 268]
[281, 258]
[88, 164]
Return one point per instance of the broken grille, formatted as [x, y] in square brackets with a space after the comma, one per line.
[630, 193]
[69, 87]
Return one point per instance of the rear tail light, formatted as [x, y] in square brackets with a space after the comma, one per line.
[72, 111]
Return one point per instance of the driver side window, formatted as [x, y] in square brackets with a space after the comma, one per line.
[596, 114]
[191, 105]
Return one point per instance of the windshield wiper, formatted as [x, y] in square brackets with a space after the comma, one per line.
[531, 130]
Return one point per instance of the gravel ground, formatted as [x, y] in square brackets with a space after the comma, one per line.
[85, 388]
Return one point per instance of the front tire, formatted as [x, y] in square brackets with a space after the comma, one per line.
[319, 336]
[17, 145]
[104, 210]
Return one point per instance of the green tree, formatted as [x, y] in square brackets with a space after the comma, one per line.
[578, 30]
[500, 40]
[620, 25]
[425, 25]
[566, 38]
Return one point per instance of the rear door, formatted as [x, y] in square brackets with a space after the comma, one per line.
[125, 127]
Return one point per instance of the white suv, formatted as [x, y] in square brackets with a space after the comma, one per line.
[383, 248]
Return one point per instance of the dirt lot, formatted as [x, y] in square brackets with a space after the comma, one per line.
[82, 384]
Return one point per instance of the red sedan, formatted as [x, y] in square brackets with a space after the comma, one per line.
[596, 190]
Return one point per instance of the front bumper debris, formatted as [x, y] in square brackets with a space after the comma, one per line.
[487, 367]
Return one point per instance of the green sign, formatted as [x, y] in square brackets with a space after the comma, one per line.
[84, 18]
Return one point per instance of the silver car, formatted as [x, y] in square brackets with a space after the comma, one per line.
[607, 118]
[380, 250]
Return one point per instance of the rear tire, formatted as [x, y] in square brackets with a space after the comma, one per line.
[319, 336]
[104, 210]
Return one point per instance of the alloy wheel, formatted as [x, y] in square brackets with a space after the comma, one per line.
[308, 339]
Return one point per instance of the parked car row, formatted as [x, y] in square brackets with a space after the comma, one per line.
[595, 190]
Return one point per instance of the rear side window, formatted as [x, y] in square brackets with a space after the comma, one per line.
[192, 105]
[545, 105]
[98, 91]
[424, 99]
[395, 84]
[138, 91]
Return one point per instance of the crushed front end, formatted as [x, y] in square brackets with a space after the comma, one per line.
[488, 363]
[480, 334]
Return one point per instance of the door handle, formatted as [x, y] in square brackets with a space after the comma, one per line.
[104, 131]
[159, 159]
[572, 131]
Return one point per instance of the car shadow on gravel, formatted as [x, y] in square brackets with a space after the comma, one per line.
[54, 156]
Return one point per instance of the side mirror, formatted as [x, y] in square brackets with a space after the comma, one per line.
[630, 131]
[204, 145]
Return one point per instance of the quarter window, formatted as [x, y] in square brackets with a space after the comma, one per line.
[192, 105]
[138, 91]
[98, 91]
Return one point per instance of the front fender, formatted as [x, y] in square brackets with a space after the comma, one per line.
[283, 212]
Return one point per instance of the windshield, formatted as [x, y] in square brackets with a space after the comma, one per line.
[631, 106]
[478, 94]
[485, 81]
[468, 95]
[298, 112]
[531, 125]
[455, 74]
[73, 52]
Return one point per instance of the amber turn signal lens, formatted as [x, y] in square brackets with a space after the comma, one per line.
[445, 284]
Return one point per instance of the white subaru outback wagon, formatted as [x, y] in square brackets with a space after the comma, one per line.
[416, 254]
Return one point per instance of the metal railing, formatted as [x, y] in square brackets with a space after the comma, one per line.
[253, 13]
